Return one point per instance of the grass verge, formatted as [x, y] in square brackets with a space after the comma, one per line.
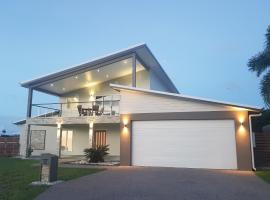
[265, 175]
[17, 174]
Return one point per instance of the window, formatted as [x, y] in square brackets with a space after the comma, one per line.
[100, 138]
[142, 76]
[66, 142]
[37, 139]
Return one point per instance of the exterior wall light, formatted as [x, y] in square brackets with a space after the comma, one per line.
[59, 124]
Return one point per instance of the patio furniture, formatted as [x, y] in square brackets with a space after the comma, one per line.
[88, 111]
[82, 111]
[95, 109]
[100, 112]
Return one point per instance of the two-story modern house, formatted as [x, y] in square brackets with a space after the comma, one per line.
[127, 101]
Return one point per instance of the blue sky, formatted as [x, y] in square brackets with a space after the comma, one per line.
[204, 46]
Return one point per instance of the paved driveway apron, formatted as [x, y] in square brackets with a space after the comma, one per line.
[130, 183]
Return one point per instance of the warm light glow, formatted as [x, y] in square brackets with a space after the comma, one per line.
[125, 121]
[91, 84]
[237, 109]
[75, 99]
[125, 131]
[88, 76]
[76, 77]
[91, 93]
[241, 130]
[59, 125]
[91, 124]
[241, 119]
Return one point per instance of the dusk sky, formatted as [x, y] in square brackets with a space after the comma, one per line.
[203, 46]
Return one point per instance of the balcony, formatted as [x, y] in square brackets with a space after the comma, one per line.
[77, 112]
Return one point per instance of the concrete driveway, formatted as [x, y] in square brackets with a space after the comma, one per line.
[126, 183]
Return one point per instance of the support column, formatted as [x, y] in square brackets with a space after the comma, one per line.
[28, 115]
[29, 103]
[59, 139]
[134, 70]
[27, 139]
[91, 131]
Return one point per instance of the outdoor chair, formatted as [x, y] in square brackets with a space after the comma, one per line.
[95, 109]
[81, 110]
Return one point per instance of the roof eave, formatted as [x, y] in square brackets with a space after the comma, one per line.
[74, 68]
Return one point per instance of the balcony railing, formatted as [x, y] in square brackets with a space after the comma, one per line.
[76, 109]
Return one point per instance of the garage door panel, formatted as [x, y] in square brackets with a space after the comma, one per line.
[184, 143]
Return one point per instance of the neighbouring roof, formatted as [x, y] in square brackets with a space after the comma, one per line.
[141, 50]
[23, 121]
[20, 122]
[185, 97]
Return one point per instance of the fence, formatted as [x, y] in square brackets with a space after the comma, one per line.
[9, 145]
[262, 150]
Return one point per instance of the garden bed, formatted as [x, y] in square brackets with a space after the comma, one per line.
[84, 162]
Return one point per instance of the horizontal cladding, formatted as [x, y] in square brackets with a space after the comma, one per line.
[136, 102]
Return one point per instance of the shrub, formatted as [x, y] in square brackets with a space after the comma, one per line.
[96, 154]
[29, 152]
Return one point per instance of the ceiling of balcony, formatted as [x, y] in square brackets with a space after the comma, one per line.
[91, 78]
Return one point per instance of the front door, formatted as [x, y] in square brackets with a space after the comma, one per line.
[100, 138]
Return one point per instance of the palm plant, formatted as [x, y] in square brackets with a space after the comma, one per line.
[96, 154]
[260, 64]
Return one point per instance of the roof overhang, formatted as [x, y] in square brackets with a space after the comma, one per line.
[141, 51]
[252, 109]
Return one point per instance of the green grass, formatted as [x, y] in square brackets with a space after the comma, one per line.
[17, 174]
[265, 175]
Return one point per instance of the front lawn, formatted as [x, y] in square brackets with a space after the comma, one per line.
[17, 174]
[265, 175]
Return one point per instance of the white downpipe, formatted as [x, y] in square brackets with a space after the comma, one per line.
[251, 138]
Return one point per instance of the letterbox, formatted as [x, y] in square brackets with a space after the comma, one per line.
[49, 167]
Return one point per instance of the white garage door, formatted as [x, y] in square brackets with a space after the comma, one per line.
[184, 143]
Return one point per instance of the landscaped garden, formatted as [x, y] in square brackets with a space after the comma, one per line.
[17, 174]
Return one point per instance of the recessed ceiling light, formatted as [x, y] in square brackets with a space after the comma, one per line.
[51, 84]
[63, 89]
[76, 77]
[125, 61]
[98, 70]
[107, 75]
